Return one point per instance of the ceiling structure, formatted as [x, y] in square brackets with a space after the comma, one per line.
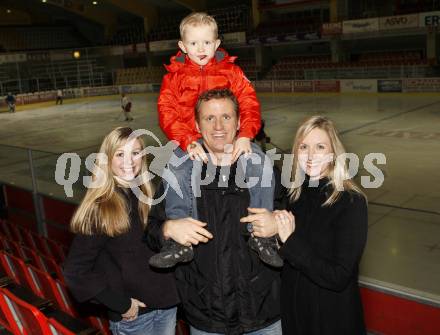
[105, 16]
[101, 12]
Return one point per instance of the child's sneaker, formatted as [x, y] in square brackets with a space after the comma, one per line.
[267, 250]
[171, 254]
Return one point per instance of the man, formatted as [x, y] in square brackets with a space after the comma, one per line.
[10, 101]
[126, 107]
[59, 97]
[226, 289]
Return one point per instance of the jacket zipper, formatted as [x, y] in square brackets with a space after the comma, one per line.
[203, 80]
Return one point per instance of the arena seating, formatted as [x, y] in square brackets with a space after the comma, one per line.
[249, 67]
[39, 38]
[33, 296]
[229, 19]
[291, 23]
[408, 7]
[42, 75]
[293, 67]
[140, 75]
[131, 34]
[391, 58]
[286, 26]
[381, 65]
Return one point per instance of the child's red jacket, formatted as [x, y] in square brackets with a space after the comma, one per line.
[185, 81]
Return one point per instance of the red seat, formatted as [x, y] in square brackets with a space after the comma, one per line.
[27, 239]
[41, 244]
[56, 249]
[27, 318]
[51, 266]
[56, 291]
[17, 270]
[33, 257]
[4, 243]
[13, 248]
[51, 289]
[15, 233]
[6, 316]
[57, 328]
[4, 229]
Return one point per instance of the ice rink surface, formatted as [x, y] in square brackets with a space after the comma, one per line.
[403, 249]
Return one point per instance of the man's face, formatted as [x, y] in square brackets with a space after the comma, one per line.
[199, 43]
[218, 124]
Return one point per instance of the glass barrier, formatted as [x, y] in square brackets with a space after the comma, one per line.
[29, 169]
[14, 167]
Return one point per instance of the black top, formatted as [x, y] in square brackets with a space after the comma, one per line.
[112, 270]
[226, 288]
[320, 293]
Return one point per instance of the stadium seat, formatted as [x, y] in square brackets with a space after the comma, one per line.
[57, 328]
[7, 320]
[26, 319]
[17, 270]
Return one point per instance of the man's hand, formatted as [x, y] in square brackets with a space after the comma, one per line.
[133, 311]
[241, 146]
[263, 222]
[195, 151]
[186, 231]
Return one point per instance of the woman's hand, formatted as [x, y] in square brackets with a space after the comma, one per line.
[262, 221]
[133, 311]
[186, 231]
[286, 224]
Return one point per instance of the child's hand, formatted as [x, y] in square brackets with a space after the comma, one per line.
[241, 146]
[195, 151]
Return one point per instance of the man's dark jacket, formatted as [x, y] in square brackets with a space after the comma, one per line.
[226, 288]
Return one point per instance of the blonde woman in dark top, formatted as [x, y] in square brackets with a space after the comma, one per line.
[107, 260]
[322, 225]
[323, 230]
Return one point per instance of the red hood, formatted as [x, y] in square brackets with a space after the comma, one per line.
[180, 60]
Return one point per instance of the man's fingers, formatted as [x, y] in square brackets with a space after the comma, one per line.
[204, 232]
[251, 218]
[197, 236]
[202, 239]
[197, 222]
[193, 240]
[257, 210]
[248, 218]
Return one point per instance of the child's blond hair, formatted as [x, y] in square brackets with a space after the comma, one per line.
[198, 19]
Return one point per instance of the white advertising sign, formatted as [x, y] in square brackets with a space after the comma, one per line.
[399, 22]
[430, 19]
[360, 26]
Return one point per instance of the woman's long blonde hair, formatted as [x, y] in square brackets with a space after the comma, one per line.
[337, 172]
[103, 209]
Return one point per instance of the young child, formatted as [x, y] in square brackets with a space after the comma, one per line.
[198, 67]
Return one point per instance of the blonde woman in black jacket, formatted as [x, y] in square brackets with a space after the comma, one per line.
[323, 229]
[107, 260]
